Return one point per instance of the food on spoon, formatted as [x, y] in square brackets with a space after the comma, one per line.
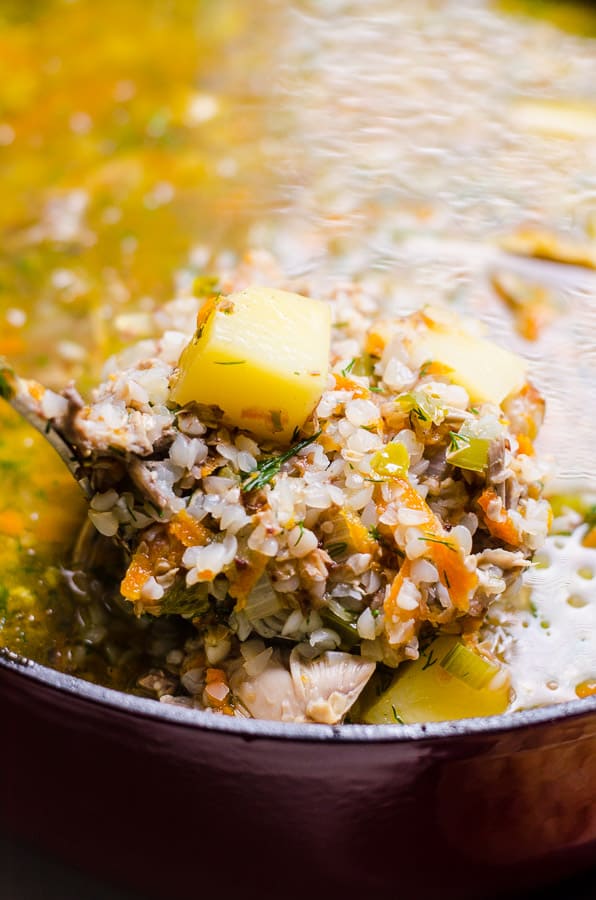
[394, 514]
[260, 356]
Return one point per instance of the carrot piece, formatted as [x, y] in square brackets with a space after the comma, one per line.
[526, 446]
[188, 531]
[343, 383]
[445, 555]
[12, 523]
[503, 529]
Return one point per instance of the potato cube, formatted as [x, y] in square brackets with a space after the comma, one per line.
[262, 357]
[488, 372]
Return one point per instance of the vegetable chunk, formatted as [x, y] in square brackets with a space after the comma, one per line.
[488, 372]
[261, 356]
[447, 681]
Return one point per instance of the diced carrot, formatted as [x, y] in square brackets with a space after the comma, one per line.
[502, 529]
[343, 383]
[445, 555]
[161, 542]
[11, 345]
[12, 523]
[243, 578]
[526, 446]
[139, 570]
[188, 531]
[361, 540]
[374, 343]
[586, 688]
[435, 368]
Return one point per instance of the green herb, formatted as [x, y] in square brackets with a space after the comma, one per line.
[375, 613]
[446, 577]
[348, 368]
[430, 661]
[396, 715]
[374, 533]
[533, 609]
[6, 389]
[457, 441]
[276, 420]
[231, 362]
[436, 540]
[376, 390]
[424, 368]
[269, 467]
[475, 410]
[336, 550]
[420, 414]
[156, 509]
[131, 512]
[48, 427]
[185, 601]
[301, 529]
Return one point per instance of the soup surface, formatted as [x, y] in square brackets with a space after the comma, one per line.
[145, 143]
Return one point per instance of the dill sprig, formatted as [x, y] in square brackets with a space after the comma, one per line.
[457, 440]
[269, 467]
[435, 540]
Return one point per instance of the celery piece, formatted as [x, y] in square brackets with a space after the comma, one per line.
[468, 452]
[468, 666]
[392, 461]
[447, 681]
[346, 630]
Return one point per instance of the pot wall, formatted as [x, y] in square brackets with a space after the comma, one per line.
[167, 807]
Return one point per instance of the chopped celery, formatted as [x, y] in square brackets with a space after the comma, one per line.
[345, 628]
[448, 681]
[392, 461]
[363, 365]
[468, 452]
[262, 600]
[426, 410]
[470, 667]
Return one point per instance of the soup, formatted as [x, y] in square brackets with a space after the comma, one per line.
[187, 133]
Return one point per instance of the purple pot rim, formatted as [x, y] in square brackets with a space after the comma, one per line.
[251, 729]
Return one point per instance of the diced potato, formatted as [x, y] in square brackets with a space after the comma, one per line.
[262, 357]
[447, 681]
[488, 372]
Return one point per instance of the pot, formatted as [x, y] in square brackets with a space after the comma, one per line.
[171, 801]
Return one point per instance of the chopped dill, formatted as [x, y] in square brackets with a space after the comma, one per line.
[431, 659]
[269, 467]
[435, 540]
[457, 440]
[396, 715]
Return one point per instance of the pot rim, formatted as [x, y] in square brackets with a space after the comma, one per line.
[142, 707]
